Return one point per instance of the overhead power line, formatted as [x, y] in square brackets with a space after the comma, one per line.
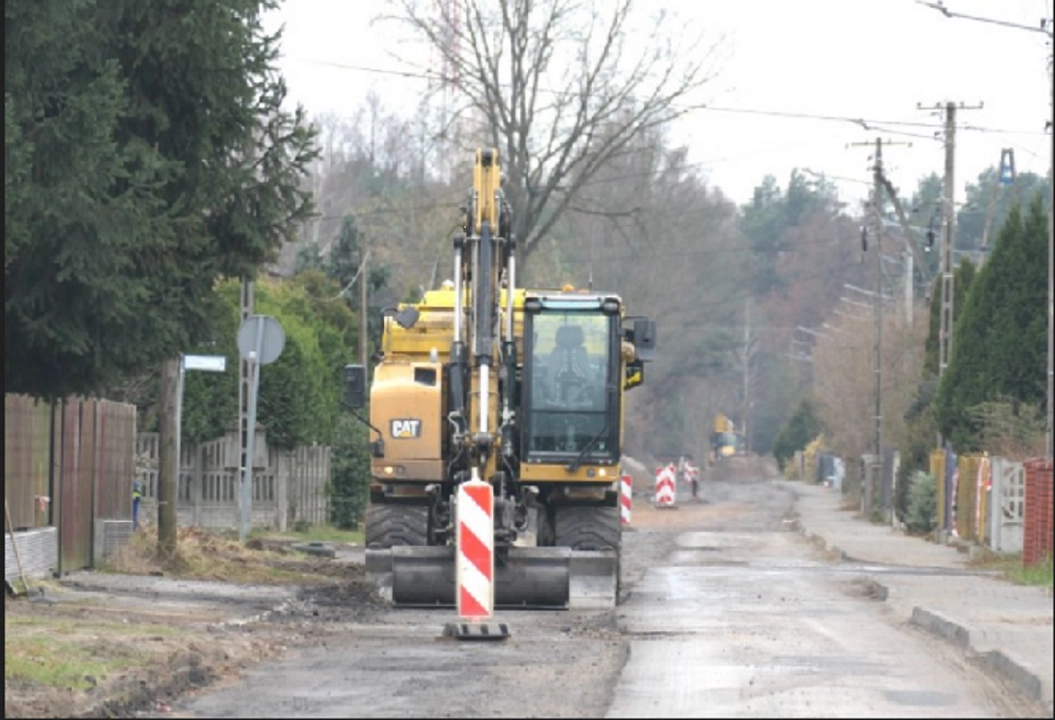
[870, 124]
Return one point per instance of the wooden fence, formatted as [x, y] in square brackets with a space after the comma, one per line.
[287, 485]
[68, 465]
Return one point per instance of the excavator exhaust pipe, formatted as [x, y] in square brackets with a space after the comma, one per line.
[527, 578]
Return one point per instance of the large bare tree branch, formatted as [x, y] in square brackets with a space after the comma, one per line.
[562, 87]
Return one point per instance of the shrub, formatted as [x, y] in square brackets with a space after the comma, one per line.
[922, 512]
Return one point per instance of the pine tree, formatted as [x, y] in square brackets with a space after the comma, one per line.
[148, 154]
[999, 353]
[801, 428]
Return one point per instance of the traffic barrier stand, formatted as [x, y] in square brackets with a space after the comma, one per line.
[475, 566]
[625, 498]
[692, 476]
[666, 492]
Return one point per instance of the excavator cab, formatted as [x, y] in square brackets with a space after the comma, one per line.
[568, 377]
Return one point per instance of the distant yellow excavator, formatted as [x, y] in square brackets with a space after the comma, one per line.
[726, 440]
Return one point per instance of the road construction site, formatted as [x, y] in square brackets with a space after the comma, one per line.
[730, 606]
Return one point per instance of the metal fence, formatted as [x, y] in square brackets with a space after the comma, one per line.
[982, 499]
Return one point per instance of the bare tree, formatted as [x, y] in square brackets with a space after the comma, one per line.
[561, 88]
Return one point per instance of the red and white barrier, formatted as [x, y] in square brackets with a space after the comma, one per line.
[475, 564]
[692, 476]
[625, 499]
[666, 492]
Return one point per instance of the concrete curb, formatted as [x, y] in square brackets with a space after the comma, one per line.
[934, 622]
[938, 624]
[1024, 679]
[819, 541]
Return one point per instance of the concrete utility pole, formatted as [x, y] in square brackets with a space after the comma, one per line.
[949, 236]
[877, 309]
[1044, 27]
[876, 215]
[245, 379]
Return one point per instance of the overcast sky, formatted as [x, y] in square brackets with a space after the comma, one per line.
[870, 59]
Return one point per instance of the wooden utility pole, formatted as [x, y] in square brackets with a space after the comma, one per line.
[363, 328]
[168, 463]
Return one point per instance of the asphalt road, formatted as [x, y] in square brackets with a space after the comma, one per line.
[727, 613]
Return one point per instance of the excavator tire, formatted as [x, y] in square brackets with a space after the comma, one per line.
[592, 531]
[544, 535]
[395, 525]
[587, 528]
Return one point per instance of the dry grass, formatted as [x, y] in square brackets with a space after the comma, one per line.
[1012, 568]
[204, 555]
[71, 653]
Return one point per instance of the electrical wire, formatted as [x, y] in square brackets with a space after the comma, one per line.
[868, 124]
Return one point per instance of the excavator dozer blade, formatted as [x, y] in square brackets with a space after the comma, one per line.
[525, 578]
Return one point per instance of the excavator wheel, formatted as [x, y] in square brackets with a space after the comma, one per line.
[395, 525]
[587, 528]
[544, 533]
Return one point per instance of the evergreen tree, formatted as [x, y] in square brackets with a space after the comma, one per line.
[308, 257]
[800, 429]
[1000, 339]
[148, 155]
[345, 253]
[80, 216]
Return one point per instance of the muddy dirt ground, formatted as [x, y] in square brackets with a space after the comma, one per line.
[153, 641]
[145, 640]
[329, 647]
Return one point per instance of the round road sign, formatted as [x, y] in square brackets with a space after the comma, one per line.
[261, 334]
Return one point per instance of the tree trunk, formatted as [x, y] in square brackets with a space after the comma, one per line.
[168, 463]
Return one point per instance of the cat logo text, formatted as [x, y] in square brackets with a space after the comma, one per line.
[406, 429]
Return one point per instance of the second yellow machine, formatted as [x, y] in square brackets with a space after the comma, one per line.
[523, 389]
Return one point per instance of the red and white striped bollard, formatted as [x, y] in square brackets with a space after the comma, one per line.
[665, 489]
[475, 562]
[626, 498]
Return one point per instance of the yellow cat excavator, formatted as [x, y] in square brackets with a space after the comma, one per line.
[521, 388]
[726, 440]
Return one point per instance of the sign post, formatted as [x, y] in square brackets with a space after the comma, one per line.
[260, 342]
[208, 363]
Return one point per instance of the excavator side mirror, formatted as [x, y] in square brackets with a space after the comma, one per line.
[407, 317]
[354, 386]
[644, 338]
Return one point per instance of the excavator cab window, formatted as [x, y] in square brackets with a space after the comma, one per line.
[570, 370]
